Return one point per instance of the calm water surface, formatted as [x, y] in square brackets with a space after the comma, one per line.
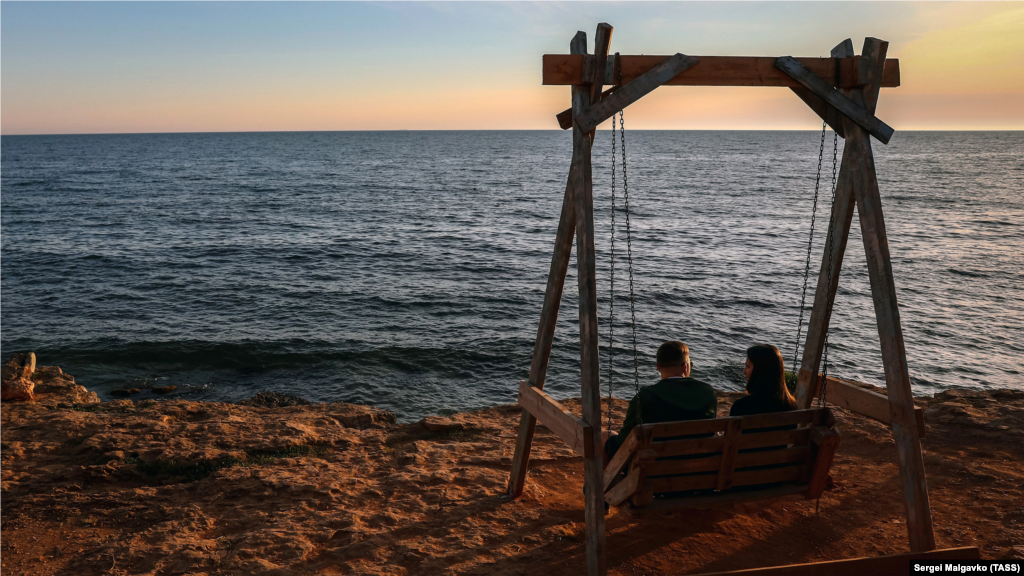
[407, 269]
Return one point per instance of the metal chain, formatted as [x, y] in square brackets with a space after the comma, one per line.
[611, 298]
[810, 242]
[629, 258]
[823, 392]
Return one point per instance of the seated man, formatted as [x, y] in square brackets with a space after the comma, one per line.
[676, 397]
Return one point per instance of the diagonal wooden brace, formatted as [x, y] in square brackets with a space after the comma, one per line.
[634, 91]
[565, 116]
[830, 115]
[819, 87]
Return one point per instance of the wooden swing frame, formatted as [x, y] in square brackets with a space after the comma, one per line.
[843, 91]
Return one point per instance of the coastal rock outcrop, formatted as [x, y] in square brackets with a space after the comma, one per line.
[274, 400]
[46, 385]
[15, 374]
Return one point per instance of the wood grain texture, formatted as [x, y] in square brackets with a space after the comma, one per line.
[798, 437]
[633, 91]
[564, 117]
[572, 430]
[645, 493]
[729, 450]
[623, 490]
[890, 331]
[623, 455]
[711, 464]
[687, 447]
[686, 427]
[808, 384]
[824, 90]
[793, 455]
[568, 70]
[850, 395]
[586, 265]
[744, 478]
[825, 441]
[893, 565]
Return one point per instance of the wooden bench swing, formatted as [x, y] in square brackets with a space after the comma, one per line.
[724, 463]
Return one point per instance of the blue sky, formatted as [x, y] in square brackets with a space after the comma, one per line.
[211, 66]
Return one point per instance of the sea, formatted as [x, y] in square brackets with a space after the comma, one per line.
[406, 270]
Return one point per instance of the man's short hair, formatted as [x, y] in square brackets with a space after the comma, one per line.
[673, 353]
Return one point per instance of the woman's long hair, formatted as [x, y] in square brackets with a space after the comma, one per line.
[768, 379]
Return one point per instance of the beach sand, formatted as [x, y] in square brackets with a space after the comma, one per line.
[182, 487]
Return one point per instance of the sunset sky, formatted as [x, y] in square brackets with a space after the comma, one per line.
[118, 67]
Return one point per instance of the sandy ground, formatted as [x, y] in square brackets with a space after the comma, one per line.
[181, 487]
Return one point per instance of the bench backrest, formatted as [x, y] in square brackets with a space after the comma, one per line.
[722, 453]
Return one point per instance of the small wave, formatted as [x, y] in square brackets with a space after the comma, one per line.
[997, 222]
[968, 273]
[756, 303]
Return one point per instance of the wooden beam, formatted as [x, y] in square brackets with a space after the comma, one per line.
[894, 565]
[622, 456]
[568, 70]
[633, 91]
[822, 89]
[826, 442]
[545, 334]
[830, 115]
[852, 396]
[732, 444]
[573, 431]
[586, 266]
[565, 116]
[887, 316]
[623, 490]
[825, 293]
[645, 493]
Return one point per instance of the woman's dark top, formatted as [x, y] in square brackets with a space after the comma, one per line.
[752, 404]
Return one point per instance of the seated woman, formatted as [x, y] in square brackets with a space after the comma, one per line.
[766, 383]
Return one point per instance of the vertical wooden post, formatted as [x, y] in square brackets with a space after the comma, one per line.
[887, 315]
[825, 294]
[586, 264]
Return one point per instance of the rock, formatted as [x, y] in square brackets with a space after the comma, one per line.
[29, 364]
[1007, 394]
[20, 365]
[17, 390]
[274, 400]
[438, 424]
[124, 391]
[165, 389]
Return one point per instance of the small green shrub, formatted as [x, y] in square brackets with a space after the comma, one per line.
[791, 380]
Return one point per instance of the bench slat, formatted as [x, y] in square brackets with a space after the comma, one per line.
[781, 419]
[671, 467]
[798, 437]
[687, 427]
[707, 481]
[688, 447]
[769, 457]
